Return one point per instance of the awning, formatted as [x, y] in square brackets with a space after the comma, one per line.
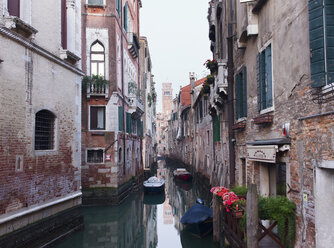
[265, 154]
[278, 141]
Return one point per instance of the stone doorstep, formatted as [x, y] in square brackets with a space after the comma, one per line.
[46, 232]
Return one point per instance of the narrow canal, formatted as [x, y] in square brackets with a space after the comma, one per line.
[148, 221]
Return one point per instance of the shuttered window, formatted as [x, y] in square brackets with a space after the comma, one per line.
[216, 128]
[14, 7]
[118, 6]
[241, 93]
[200, 109]
[120, 118]
[321, 28]
[264, 79]
[128, 123]
[125, 19]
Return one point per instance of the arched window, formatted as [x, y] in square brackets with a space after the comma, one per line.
[97, 59]
[120, 155]
[44, 130]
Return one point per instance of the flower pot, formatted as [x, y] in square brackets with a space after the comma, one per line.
[210, 80]
[213, 68]
[237, 214]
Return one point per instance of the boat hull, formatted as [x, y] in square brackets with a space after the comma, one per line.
[201, 229]
[158, 189]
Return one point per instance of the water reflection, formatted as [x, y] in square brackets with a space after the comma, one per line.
[144, 221]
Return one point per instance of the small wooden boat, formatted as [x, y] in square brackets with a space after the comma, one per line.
[198, 220]
[182, 173]
[154, 185]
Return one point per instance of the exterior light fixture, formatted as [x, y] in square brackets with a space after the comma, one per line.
[286, 129]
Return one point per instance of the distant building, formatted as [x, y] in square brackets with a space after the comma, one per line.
[40, 120]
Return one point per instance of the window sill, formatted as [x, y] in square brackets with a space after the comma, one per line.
[102, 6]
[45, 152]
[69, 56]
[97, 132]
[94, 162]
[16, 24]
[267, 110]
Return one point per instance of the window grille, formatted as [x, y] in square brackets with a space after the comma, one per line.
[44, 130]
[95, 156]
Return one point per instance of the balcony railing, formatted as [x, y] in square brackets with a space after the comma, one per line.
[96, 89]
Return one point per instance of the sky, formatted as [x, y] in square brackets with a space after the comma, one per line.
[177, 34]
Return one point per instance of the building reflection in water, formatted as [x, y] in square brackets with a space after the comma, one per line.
[135, 222]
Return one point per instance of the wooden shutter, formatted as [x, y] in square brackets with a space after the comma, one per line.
[244, 91]
[268, 78]
[93, 118]
[14, 7]
[200, 109]
[126, 16]
[259, 82]
[216, 128]
[316, 30]
[329, 14]
[120, 118]
[237, 95]
[63, 25]
[118, 7]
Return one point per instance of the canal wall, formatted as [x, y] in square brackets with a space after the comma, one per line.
[111, 195]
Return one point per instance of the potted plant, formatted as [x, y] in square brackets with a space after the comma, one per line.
[210, 79]
[205, 89]
[212, 65]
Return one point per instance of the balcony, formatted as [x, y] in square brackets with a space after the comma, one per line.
[136, 107]
[133, 44]
[221, 79]
[96, 86]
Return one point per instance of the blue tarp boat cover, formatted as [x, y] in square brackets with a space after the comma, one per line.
[196, 214]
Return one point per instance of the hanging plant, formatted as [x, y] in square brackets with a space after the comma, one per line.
[212, 65]
[149, 99]
[205, 89]
[154, 96]
[210, 79]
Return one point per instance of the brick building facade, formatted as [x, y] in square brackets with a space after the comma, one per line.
[40, 119]
[112, 122]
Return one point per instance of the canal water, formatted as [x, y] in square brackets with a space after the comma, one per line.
[144, 221]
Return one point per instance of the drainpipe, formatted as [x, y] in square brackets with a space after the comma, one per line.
[123, 98]
[230, 109]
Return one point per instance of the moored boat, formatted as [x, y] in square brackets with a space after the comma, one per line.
[198, 220]
[182, 173]
[154, 185]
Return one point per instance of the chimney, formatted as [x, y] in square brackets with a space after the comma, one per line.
[192, 80]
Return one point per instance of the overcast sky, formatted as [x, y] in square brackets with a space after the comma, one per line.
[177, 34]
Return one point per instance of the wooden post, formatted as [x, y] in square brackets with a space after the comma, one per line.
[252, 217]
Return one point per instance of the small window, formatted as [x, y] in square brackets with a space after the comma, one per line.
[95, 2]
[120, 155]
[44, 130]
[95, 156]
[97, 59]
[166, 93]
[97, 117]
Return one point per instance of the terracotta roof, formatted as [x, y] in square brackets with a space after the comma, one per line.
[185, 92]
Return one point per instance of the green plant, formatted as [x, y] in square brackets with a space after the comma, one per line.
[282, 210]
[210, 63]
[149, 99]
[205, 89]
[239, 190]
[154, 96]
[210, 79]
[95, 79]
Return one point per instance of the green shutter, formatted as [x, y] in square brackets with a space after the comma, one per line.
[120, 118]
[126, 16]
[128, 123]
[200, 109]
[329, 13]
[237, 95]
[118, 6]
[216, 128]
[138, 127]
[316, 30]
[244, 90]
[259, 82]
[141, 129]
[268, 78]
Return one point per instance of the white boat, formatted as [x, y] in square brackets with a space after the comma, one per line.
[154, 185]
